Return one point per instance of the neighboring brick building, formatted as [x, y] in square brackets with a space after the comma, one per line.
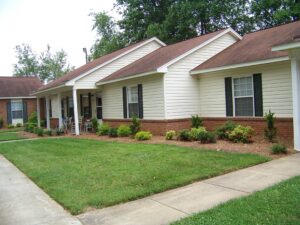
[16, 103]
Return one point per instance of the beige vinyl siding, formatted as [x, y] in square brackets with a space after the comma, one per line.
[276, 82]
[88, 82]
[181, 89]
[153, 101]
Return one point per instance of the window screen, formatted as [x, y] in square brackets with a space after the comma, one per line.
[133, 105]
[243, 96]
[16, 109]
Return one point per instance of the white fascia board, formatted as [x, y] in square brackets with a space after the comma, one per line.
[228, 30]
[285, 58]
[47, 90]
[21, 97]
[72, 82]
[129, 77]
[286, 47]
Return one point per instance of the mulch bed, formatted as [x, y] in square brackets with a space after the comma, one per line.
[259, 146]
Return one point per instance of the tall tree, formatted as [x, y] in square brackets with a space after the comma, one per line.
[109, 38]
[46, 66]
[27, 64]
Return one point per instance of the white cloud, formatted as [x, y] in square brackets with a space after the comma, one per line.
[64, 24]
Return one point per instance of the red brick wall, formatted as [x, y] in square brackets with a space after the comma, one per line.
[159, 127]
[31, 106]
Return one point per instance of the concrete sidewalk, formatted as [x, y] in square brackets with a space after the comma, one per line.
[172, 205]
[22, 202]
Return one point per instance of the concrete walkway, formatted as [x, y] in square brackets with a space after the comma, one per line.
[178, 203]
[22, 202]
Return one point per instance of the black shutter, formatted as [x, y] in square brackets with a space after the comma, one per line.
[125, 102]
[140, 100]
[8, 108]
[81, 110]
[90, 105]
[25, 115]
[228, 96]
[258, 95]
[67, 106]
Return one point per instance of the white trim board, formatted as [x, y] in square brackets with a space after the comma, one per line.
[27, 97]
[285, 47]
[279, 59]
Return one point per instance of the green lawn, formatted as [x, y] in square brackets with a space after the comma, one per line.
[81, 173]
[279, 204]
[8, 136]
[16, 129]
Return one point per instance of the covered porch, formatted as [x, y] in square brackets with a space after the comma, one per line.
[70, 109]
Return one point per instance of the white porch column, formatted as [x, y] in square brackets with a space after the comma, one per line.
[47, 112]
[75, 111]
[296, 101]
[38, 111]
[60, 122]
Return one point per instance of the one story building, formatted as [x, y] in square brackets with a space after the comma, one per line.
[218, 76]
[16, 101]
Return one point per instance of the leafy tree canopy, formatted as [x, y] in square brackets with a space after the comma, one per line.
[47, 66]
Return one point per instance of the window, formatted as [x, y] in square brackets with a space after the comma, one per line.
[70, 110]
[243, 96]
[132, 100]
[99, 108]
[17, 109]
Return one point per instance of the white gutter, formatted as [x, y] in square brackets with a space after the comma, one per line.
[287, 46]
[27, 97]
[47, 90]
[234, 66]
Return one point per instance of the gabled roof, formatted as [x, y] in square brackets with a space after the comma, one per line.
[94, 64]
[253, 47]
[161, 57]
[18, 86]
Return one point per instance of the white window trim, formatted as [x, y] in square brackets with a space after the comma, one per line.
[137, 102]
[11, 110]
[248, 96]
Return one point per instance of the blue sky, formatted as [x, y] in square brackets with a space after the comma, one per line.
[63, 24]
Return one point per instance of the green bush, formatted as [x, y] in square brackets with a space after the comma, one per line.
[33, 118]
[35, 130]
[103, 129]
[278, 149]
[207, 137]
[223, 131]
[143, 135]
[124, 131]
[1, 122]
[135, 125]
[113, 132]
[19, 125]
[29, 127]
[196, 121]
[10, 126]
[194, 133]
[184, 135]
[170, 134]
[59, 131]
[241, 134]
[43, 123]
[271, 130]
[95, 124]
[48, 132]
[40, 132]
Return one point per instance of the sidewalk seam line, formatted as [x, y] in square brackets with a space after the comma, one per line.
[234, 189]
[171, 207]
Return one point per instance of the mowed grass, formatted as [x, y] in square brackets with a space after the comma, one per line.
[279, 204]
[81, 173]
[9, 136]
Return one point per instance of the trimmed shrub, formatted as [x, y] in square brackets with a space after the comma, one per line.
[1, 122]
[184, 135]
[241, 134]
[194, 133]
[33, 118]
[103, 129]
[278, 149]
[95, 124]
[29, 127]
[143, 135]
[113, 132]
[196, 121]
[124, 131]
[19, 125]
[48, 132]
[10, 126]
[135, 125]
[207, 137]
[59, 131]
[43, 123]
[35, 129]
[40, 132]
[170, 134]
[271, 130]
[223, 131]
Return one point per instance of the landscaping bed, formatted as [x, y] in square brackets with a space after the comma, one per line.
[82, 174]
[276, 205]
